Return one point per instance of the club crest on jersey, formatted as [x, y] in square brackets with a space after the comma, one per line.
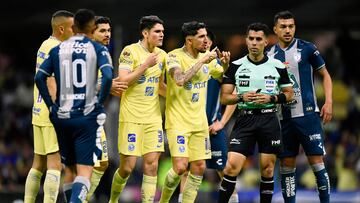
[297, 56]
[270, 83]
[149, 91]
[131, 147]
[195, 97]
[131, 137]
[205, 69]
[181, 149]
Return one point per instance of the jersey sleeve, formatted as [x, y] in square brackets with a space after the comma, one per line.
[126, 59]
[316, 60]
[105, 67]
[172, 61]
[216, 70]
[104, 58]
[229, 76]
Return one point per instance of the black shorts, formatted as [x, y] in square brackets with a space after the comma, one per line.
[263, 129]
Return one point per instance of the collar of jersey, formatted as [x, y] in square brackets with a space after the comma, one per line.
[257, 62]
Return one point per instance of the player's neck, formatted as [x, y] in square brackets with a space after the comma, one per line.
[191, 52]
[148, 47]
[284, 44]
[256, 58]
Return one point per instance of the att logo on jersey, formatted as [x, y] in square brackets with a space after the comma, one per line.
[142, 79]
[188, 85]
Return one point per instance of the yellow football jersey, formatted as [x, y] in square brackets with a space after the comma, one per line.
[186, 105]
[40, 112]
[140, 102]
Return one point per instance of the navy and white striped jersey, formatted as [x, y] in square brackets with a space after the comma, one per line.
[75, 64]
[302, 59]
[213, 106]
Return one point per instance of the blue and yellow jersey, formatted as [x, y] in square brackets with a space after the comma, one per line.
[186, 105]
[140, 102]
[40, 112]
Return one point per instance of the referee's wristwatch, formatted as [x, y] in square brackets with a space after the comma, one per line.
[240, 98]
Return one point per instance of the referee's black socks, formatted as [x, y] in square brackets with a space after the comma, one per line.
[266, 189]
[226, 188]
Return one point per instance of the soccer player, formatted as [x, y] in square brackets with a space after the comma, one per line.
[142, 65]
[188, 71]
[216, 123]
[301, 123]
[260, 83]
[46, 149]
[78, 113]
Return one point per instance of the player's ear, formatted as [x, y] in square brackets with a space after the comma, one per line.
[274, 29]
[61, 29]
[145, 33]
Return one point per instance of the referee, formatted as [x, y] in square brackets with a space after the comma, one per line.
[261, 83]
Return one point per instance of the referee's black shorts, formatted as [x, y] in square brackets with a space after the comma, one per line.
[261, 127]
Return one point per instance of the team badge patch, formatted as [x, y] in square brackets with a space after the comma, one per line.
[195, 97]
[131, 147]
[182, 149]
[270, 84]
[149, 91]
[297, 56]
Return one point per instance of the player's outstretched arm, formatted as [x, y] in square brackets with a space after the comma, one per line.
[227, 96]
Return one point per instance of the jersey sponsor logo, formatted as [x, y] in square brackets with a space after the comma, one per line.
[36, 111]
[216, 153]
[188, 85]
[142, 79]
[245, 70]
[207, 144]
[275, 142]
[244, 83]
[161, 66]
[235, 141]
[153, 79]
[131, 147]
[149, 91]
[182, 149]
[160, 136]
[205, 69]
[219, 162]
[41, 55]
[315, 137]
[73, 47]
[195, 97]
[131, 137]
[309, 108]
[180, 139]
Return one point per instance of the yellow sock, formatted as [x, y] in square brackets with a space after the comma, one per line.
[148, 189]
[117, 186]
[51, 185]
[95, 180]
[32, 185]
[171, 182]
[191, 188]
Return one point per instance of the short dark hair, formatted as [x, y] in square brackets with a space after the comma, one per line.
[283, 15]
[83, 17]
[191, 28]
[62, 13]
[258, 27]
[211, 35]
[102, 20]
[147, 22]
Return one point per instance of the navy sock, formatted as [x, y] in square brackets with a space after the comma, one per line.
[322, 181]
[288, 184]
[80, 189]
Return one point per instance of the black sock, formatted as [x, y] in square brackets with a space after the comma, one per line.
[227, 188]
[266, 189]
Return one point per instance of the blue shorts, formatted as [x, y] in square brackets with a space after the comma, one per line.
[77, 137]
[305, 130]
[218, 151]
